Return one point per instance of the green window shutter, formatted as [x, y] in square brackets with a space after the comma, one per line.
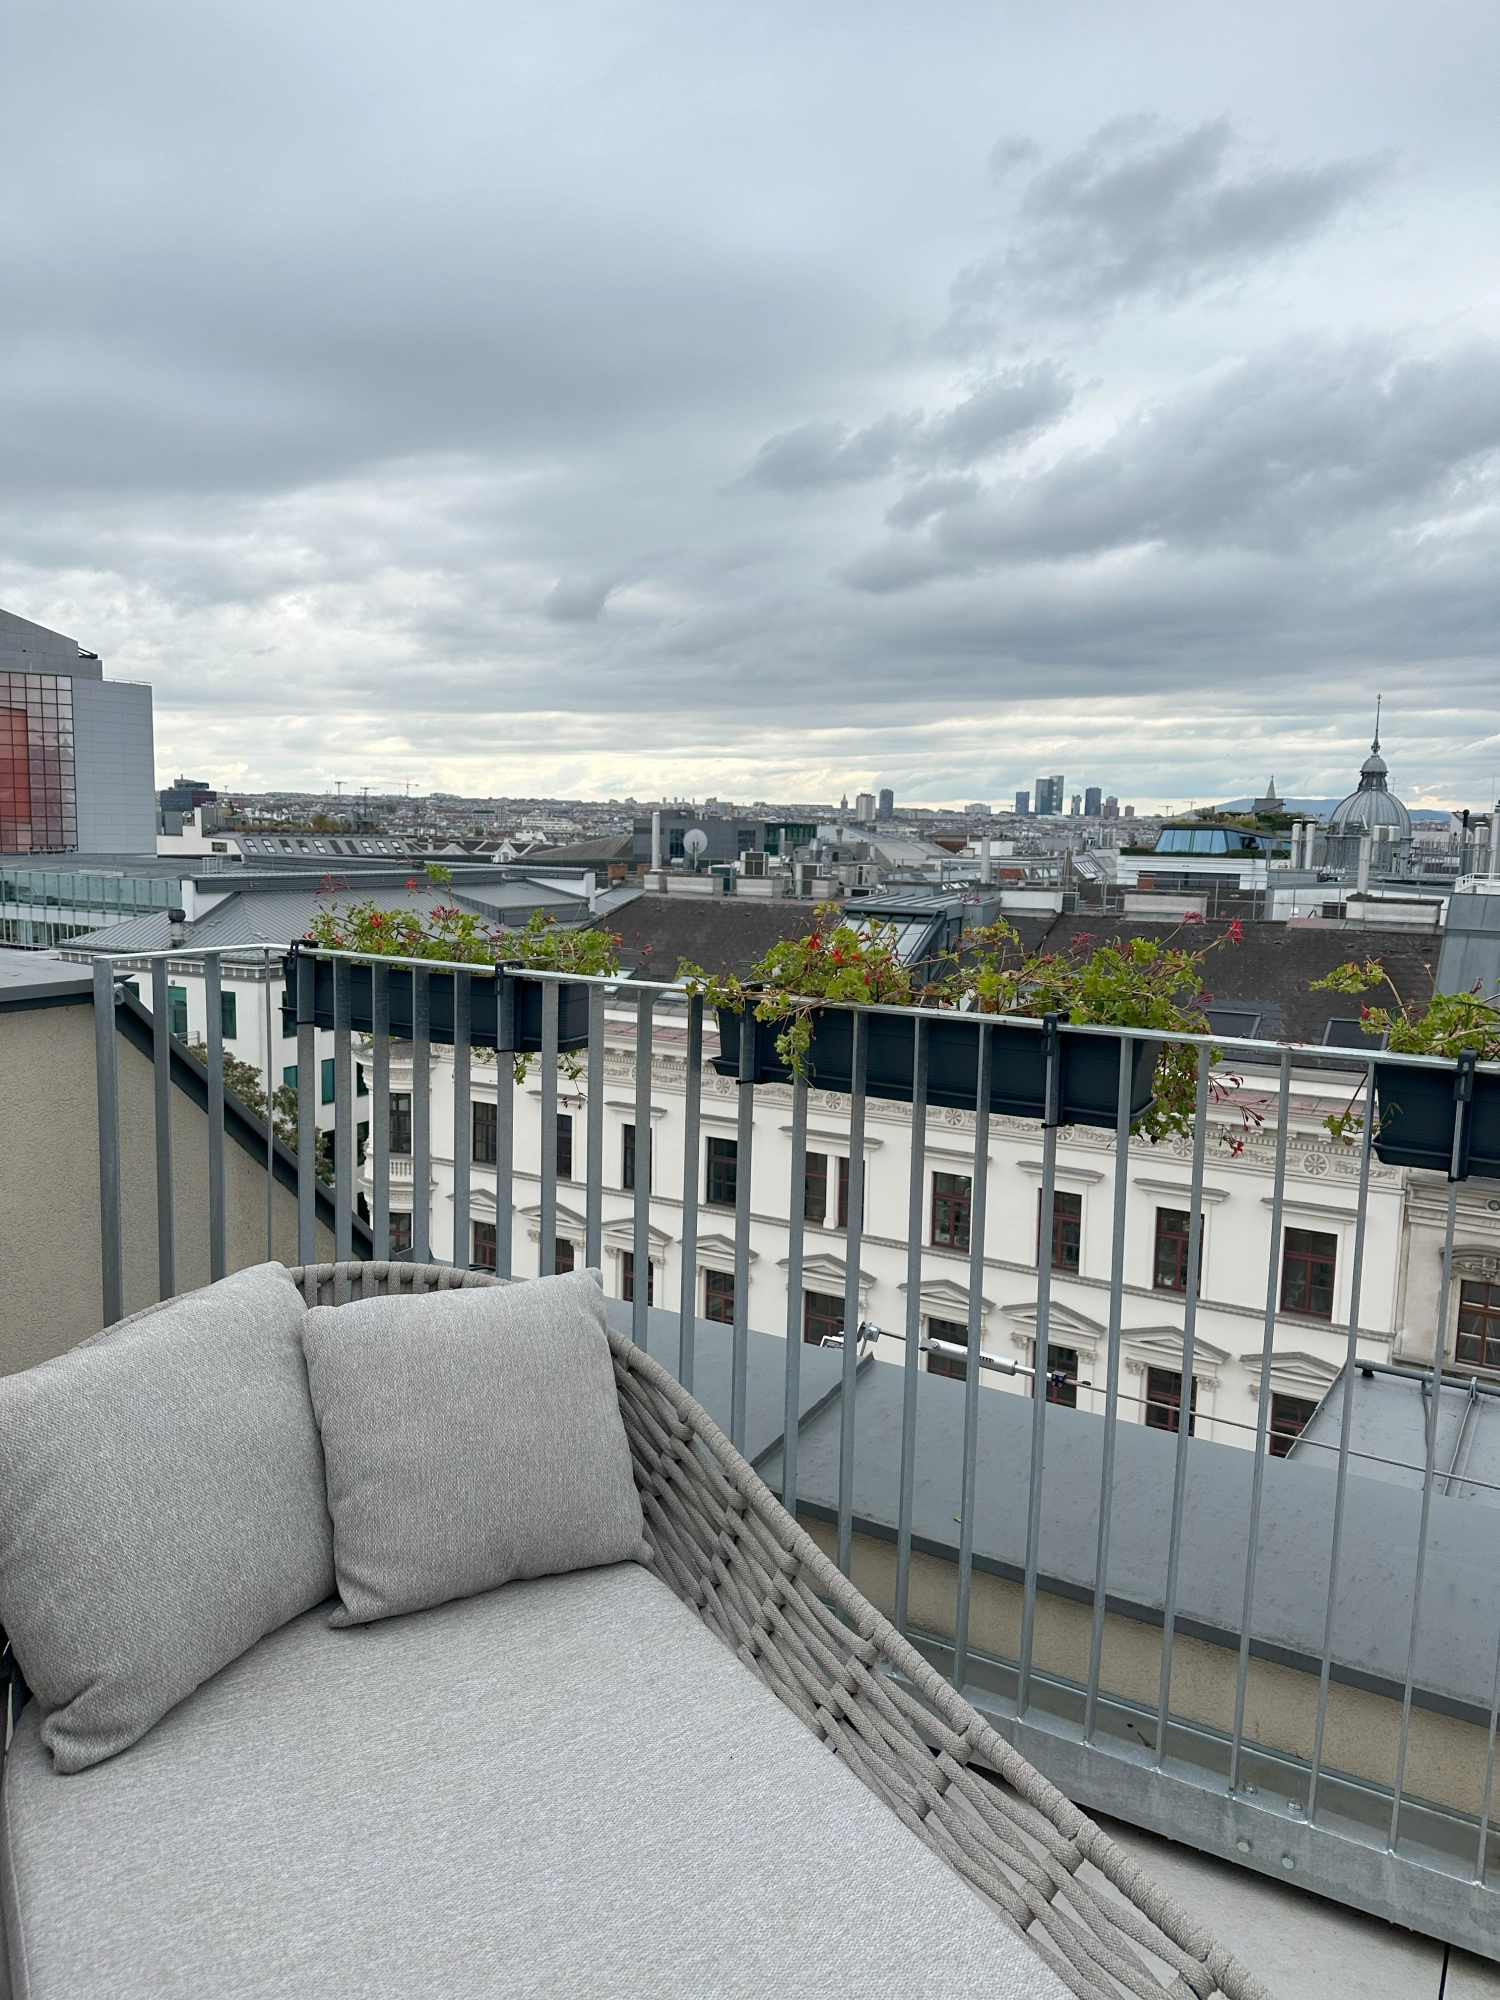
[177, 1023]
[328, 1079]
[229, 1015]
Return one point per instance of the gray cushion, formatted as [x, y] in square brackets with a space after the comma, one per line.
[470, 1437]
[161, 1506]
[564, 1787]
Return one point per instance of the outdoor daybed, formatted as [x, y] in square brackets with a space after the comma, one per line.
[353, 1674]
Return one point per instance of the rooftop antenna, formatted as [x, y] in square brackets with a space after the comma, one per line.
[1376, 744]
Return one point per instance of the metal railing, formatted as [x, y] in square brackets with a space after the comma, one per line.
[1151, 1761]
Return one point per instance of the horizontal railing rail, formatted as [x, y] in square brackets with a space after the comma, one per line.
[565, 1032]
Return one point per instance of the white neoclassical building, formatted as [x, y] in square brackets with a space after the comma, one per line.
[1313, 1265]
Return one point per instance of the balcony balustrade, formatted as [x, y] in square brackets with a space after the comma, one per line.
[1282, 1660]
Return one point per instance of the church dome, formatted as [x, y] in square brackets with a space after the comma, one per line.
[1373, 806]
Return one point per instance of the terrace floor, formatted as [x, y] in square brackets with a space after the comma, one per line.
[1300, 1944]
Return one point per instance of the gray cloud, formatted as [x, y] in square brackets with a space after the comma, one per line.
[351, 371]
[578, 599]
[1142, 211]
[1276, 453]
[1013, 406]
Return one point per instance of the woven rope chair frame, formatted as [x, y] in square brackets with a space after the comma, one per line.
[725, 1545]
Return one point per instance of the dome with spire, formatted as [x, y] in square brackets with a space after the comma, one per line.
[1374, 806]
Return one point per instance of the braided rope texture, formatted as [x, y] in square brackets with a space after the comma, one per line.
[724, 1544]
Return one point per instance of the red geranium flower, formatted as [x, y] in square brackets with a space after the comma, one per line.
[1236, 931]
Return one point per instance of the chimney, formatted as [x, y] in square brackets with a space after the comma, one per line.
[177, 928]
[656, 840]
[1366, 842]
[986, 874]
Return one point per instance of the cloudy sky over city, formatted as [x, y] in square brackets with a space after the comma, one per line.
[622, 397]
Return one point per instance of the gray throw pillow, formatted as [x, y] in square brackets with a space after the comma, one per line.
[161, 1508]
[469, 1437]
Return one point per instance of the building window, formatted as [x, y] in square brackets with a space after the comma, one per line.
[486, 1122]
[1288, 1416]
[844, 1194]
[177, 1012]
[565, 1146]
[822, 1316]
[229, 1015]
[1171, 1267]
[1067, 1230]
[627, 1156]
[328, 1079]
[289, 1076]
[1479, 1324]
[951, 1196]
[815, 1189]
[1164, 1401]
[676, 843]
[627, 1276]
[721, 1156]
[400, 1231]
[401, 1121]
[483, 1257]
[361, 1141]
[562, 1254]
[957, 1335]
[1307, 1260]
[1062, 1376]
[718, 1296]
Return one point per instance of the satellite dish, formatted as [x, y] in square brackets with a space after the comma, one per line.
[694, 843]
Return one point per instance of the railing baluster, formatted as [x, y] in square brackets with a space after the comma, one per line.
[1112, 1386]
[161, 1056]
[505, 1128]
[593, 1195]
[307, 1110]
[546, 1248]
[343, 1117]
[1184, 1407]
[853, 1249]
[791, 1420]
[463, 1117]
[1346, 1424]
[213, 1001]
[1481, 1853]
[640, 1281]
[969, 1479]
[1046, 1206]
[270, 1114]
[744, 1142]
[687, 1310]
[912, 1357]
[1439, 1342]
[107, 1086]
[421, 1117]
[380, 1110]
[1263, 1416]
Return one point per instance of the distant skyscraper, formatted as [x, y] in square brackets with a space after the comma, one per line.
[1049, 794]
[886, 809]
[1111, 807]
[1023, 803]
[1077, 806]
[864, 807]
[1093, 798]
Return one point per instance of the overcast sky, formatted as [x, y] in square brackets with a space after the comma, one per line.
[609, 399]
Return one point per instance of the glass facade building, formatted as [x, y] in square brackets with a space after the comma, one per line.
[38, 789]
